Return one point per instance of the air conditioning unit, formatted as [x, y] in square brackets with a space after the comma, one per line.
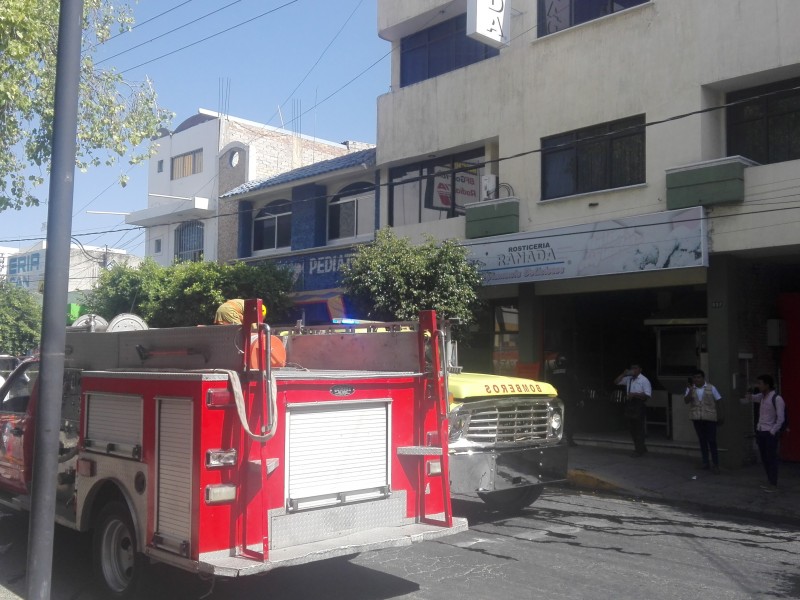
[488, 187]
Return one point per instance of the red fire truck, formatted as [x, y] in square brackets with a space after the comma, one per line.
[186, 446]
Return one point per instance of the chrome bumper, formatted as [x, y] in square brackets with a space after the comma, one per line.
[501, 469]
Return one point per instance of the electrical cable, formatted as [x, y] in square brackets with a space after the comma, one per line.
[166, 33]
[213, 35]
[145, 22]
[338, 33]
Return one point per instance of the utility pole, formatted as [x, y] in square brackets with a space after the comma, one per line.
[54, 331]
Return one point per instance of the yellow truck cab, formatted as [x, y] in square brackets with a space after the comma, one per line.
[505, 433]
[505, 438]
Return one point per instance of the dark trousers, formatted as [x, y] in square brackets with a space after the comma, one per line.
[636, 424]
[707, 435]
[768, 449]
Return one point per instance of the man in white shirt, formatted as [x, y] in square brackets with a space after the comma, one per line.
[638, 392]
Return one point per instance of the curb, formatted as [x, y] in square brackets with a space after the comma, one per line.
[582, 480]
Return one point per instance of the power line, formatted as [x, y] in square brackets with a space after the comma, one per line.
[166, 33]
[145, 22]
[317, 61]
[213, 35]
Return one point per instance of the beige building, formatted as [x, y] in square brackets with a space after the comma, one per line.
[646, 162]
[626, 173]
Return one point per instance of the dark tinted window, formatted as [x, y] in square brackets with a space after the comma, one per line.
[766, 126]
[272, 226]
[595, 158]
[555, 15]
[439, 49]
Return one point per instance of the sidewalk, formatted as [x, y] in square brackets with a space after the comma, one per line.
[675, 479]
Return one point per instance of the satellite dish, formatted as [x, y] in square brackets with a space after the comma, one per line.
[127, 322]
[91, 322]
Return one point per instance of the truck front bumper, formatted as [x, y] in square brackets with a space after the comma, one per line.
[501, 469]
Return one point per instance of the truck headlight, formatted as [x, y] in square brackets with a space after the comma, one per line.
[556, 421]
[459, 422]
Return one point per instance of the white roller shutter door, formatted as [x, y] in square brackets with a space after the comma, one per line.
[337, 452]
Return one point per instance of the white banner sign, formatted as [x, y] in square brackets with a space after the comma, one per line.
[666, 240]
[487, 22]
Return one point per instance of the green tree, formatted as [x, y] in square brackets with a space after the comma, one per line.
[392, 279]
[20, 319]
[115, 116]
[188, 293]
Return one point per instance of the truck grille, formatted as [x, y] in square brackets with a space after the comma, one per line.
[508, 424]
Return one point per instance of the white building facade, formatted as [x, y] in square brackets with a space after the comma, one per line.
[205, 156]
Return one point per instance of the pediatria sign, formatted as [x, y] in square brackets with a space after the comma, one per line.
[666, 240]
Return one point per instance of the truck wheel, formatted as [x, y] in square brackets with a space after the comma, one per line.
[117, 564]
[511, 500]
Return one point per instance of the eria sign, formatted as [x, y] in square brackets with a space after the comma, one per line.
[487, 22]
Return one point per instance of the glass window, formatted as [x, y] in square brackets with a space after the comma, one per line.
[157, 246]
[555, 15]
[189, 242]
[272, 226]
[440, 49]
[352, 212]
[187, 164]
[595, 158]
[505, 352]
[436, 189]
[765, 129]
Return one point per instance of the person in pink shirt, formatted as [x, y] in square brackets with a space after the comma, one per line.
[771, 415]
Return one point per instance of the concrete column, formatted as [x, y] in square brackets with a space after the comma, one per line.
[531, 334]
[724, 298]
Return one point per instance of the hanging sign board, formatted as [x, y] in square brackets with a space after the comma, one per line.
[488, 22]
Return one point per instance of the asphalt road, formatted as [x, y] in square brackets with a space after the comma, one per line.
[567, 545]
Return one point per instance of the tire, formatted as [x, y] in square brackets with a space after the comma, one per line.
[512, 500]
[118, 565]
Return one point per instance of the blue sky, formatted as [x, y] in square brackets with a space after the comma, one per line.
[258, 63]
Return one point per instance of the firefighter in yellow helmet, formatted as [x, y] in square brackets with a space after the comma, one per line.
[231, 312]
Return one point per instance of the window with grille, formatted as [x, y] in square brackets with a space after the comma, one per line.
[272, 226]
[187, 164]
[600, 157]
[352, 212]
[189, 242]
[766, 126]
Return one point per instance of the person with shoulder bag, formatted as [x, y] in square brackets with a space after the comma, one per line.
[771, 422]
[705, 411]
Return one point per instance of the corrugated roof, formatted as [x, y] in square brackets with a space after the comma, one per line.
[348, 161]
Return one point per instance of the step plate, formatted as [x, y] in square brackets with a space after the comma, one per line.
[375, 539]
[292, 529]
